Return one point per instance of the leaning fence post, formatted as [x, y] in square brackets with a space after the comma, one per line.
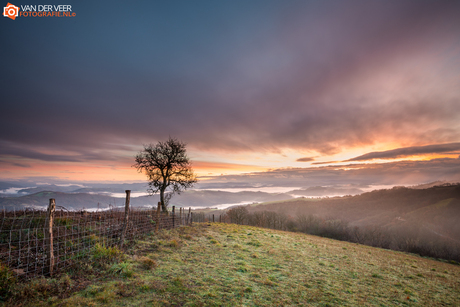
[125, 222]
[157, 225]
[49, 236]
[173, 215]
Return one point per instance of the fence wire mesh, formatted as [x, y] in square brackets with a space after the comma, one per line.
[25, 244]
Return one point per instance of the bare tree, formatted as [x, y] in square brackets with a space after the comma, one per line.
[258, 219]
[167, 167]
[238, 214]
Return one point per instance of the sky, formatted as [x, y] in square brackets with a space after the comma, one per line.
[338, 91]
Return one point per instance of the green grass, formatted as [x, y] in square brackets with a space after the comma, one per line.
[231, 265]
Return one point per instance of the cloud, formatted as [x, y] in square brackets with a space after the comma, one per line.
[24, 165]
[54, 153]
[361, 174]
[409, 151]
[5, 163]
[325, 162]
[305, 159]
[231, 76]
[309, 75]
[220, 166]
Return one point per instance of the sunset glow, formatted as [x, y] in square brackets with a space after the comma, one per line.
[252, 87]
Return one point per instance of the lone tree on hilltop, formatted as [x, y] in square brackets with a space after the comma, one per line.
[167, 168]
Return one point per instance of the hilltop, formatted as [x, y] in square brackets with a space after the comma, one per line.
[231, 265]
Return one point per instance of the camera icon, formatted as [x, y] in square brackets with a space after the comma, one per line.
[11, 11]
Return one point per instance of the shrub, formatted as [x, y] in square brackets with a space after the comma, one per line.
[123, 268]
[101, 252]
[173, 243]
[7, 281]
[147, 263]
[102, 256]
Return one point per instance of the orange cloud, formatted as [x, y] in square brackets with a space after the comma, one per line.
[69, 171]
[105, 170]
[436, 150]
[203, 168]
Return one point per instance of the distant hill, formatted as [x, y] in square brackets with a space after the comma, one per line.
[94, 188]
[320, 191]
[7, 185]
[436, 209]
[78, 201]
[51, 187]
[205, 198]
[71, 201]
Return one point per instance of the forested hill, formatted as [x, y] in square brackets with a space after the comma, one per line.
[436, 209]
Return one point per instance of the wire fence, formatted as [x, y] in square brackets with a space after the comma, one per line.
[37, 242]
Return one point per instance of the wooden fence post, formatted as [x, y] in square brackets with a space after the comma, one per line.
[125, 222]
[220, 218]
[213, 218]
[173, 215]
[180, 216]
[157, 225]
[49, 237]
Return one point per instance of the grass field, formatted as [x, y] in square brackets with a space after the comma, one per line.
[230, 265]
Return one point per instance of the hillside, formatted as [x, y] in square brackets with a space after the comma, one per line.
[230, 265]
[436, 208]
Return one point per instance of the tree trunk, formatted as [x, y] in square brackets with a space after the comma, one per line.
[162, 199]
